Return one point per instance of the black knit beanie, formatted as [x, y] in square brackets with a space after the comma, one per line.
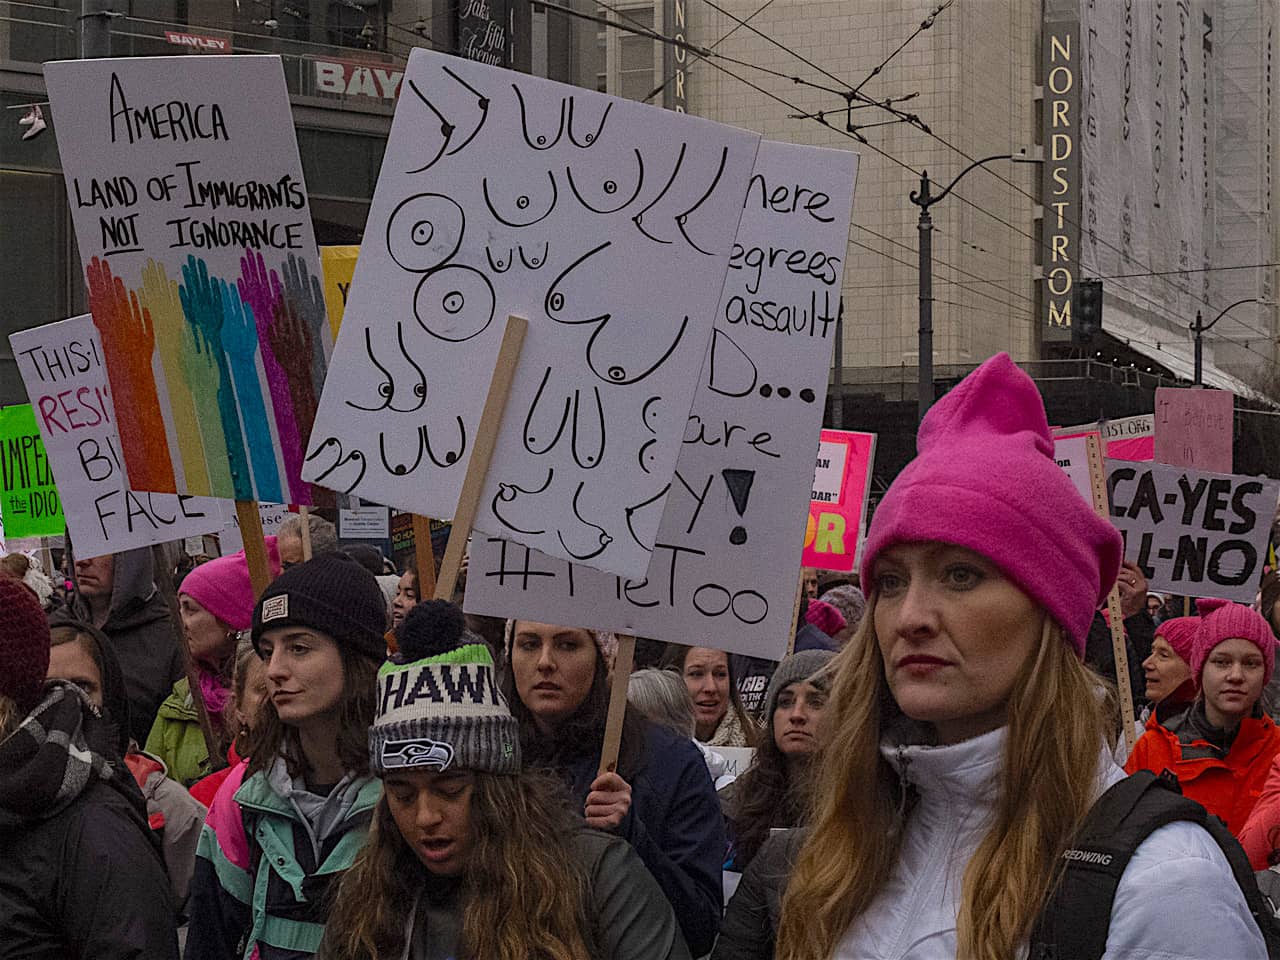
[330, 593]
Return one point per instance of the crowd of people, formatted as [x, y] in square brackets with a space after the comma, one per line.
[344, 769]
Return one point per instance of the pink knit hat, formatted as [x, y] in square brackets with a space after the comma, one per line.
[985, 479]
[1222, 620]
[1180, 634]
[825, 617]
[223, 588]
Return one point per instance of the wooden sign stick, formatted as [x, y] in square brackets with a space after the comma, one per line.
[305, 513]
[255, 544]
[426, 558]
[486, 439]
[622, 664]
[795, 617]
[1098, 484]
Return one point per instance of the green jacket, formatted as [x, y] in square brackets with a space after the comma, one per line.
[176, 737]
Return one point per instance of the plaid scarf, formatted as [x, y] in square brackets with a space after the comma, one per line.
[53, 757]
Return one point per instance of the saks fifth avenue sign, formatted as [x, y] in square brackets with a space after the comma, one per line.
[1061, 231]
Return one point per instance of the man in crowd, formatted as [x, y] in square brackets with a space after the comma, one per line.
[324, 537]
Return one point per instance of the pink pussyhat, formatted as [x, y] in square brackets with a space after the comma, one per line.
[1180, 634]
[1221, 620]
[985, 479]
[223, 586]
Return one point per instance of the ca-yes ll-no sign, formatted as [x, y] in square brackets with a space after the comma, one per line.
[608, 225]
[728, 552]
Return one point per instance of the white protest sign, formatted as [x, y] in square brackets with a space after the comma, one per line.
[193, 225]
[1193, 533]
[724, 569]
[607, 224]
[1072, 455]
[828, 474]
[61, 365]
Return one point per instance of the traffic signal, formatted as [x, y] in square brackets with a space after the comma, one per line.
[1086, 310]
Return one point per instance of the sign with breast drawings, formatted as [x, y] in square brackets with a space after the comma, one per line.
[608, 225]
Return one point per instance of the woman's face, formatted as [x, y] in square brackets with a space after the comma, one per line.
[406, 598]
[796, 719]
[1232, 681]
[72, 661]
[304, 672]
[432, 808]
[256, 691]
[1164, 669]
[553, 668]
[209, 639]
[954, 633]
[706, 674]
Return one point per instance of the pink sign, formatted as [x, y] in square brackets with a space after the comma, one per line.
[841, 479]
[1194, 427]
[1129, 438]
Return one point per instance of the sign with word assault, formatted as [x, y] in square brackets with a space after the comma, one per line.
[1193, 533]
[31, 507]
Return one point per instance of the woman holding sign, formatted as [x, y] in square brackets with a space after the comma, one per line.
[969, 741]
[660, 798]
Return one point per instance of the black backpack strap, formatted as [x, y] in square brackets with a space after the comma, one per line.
[1077, 916]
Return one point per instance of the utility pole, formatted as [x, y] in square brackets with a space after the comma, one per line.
[95, 29]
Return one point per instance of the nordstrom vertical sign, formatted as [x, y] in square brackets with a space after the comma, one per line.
[675, 96]
[1061, 52]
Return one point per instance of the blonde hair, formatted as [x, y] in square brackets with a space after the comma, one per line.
[1049, 778]
[10, 717]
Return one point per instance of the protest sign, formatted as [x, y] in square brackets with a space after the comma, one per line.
[193, 224]
[725, 566]
[841, 479]
[1072, 455]
[1194, 428]
[339, 265]
[607, 224]
[1128, 438]
[62, 367]
[31, 507]
[1194, 533]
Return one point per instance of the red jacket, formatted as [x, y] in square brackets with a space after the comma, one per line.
[1227, 785]
[1261, 832]
[205, 788]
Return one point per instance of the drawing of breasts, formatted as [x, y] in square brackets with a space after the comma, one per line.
[675, 213]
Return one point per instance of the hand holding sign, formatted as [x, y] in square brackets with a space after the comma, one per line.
[608, 802]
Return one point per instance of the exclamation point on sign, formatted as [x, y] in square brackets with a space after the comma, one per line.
[739, 484]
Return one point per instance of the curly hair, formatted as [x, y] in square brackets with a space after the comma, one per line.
[521, 896]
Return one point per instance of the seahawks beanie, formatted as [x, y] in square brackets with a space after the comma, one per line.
[438, 704]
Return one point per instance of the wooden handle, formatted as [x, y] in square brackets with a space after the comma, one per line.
[486, 439]
[795, 617]
[617, 704]
[426, 558]
[255, 545]
[305, 530]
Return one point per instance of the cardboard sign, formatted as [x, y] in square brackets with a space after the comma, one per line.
[724, 569]
[339, 264]
[1194, 533]
[608, 225]
[841, 480]
[30, 505]
[1072, 455]
[1194, 428]
[62, 367]
[1129, 438]
[191, 215]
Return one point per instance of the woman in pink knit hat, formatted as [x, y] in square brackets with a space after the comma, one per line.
[1220, 746]
[1170, 684]
[965, 741]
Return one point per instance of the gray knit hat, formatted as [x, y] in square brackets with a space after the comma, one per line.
[795, 668]
[438, 703]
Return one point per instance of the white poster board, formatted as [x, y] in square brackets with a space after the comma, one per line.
[607, 224]
[61, 365]
[724, 570]
[1072, 455]
[1193, 533]
[194, 229]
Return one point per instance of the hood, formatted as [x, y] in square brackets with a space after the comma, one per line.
[115, 698]
[132, 591]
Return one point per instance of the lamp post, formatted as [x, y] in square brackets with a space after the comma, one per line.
[924, 199]
[1199, 327]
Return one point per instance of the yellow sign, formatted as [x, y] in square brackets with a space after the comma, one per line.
[339, 264]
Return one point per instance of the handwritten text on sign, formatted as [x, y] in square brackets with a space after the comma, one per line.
[724, 567]
[1194, 428]
[1193, 533]
[608, 225]
[204, 283]
[839, 499]
[61, 365]
[31, 507]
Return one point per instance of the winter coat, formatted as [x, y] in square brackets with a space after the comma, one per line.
[174, 814]
[269, 857]
[206, 788]
[1224, 775]
[1261, 832]
[1177, 898]
[786, 814]
[674, 824]
[633, 917]
[81, 877]
[176, 736]
[142, 633]
[749, 930]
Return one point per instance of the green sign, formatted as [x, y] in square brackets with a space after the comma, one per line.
[30, 506]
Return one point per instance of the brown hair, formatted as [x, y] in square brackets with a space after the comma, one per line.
[521, 895]
[272, 737]
[674, 659]
[1057, 725]
[10, 717]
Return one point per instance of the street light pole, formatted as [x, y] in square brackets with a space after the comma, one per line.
[924, 199]
[1199, 327]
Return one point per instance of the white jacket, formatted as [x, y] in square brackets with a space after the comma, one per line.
[1177, 899]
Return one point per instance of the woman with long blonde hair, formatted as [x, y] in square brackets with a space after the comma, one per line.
[469, 856]
[965, 739]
